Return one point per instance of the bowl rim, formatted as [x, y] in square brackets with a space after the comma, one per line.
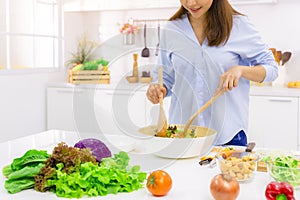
[151, 131]
[220, 157]
[286, 179]
[271, 164]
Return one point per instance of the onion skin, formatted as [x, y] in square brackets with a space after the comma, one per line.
[224, 187]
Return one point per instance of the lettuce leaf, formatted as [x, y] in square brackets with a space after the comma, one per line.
[6, 170]
[113, 175]
[14, 186]
[31, 157]
[26, 172]
[67, 156]
[20, 173]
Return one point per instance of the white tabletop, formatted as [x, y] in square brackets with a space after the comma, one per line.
[190, 180]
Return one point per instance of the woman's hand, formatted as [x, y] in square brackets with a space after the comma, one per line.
[155, 92]
[230, 79]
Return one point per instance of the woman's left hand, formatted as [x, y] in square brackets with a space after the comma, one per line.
[230, 79]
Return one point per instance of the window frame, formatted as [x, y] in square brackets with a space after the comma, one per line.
[7, 35]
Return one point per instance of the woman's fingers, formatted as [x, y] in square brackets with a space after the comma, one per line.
[230, 79]
[154, 93]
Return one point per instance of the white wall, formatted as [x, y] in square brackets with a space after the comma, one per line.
[23, 103]
[278, 24]
[280, 28]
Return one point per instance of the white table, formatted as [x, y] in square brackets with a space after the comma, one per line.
[190, 180]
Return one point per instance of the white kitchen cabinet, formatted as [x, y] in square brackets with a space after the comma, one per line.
[59, 109]
[70, 109]
[95, 110]
[274, 121]
[120, 111]
[274, 117]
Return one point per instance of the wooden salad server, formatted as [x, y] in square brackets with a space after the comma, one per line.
[162, 123]
[210, 101]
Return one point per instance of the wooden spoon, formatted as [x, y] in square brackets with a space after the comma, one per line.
[162, 123]
[278, 57]
[286, 57]
[189, 122]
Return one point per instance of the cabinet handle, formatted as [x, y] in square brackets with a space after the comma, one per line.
[117, 93]
[69, 91]
[280, 100]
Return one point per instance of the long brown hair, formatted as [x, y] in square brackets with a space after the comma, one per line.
[219, 20]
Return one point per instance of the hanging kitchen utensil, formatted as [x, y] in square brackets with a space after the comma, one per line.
[158, 37]
[210, 101]
[162, 123]
[286, 57]
[145, 51]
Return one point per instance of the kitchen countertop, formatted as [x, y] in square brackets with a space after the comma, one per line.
[124, 85]
[190, 180]
[274, 91]
[121, 85]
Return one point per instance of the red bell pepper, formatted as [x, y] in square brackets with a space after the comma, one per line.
[279, 191]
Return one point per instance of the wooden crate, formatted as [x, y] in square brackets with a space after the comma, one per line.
[89, 77]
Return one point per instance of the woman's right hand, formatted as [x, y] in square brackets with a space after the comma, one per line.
[155, 92]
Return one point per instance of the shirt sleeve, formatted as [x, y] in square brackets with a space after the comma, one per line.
[252, 49]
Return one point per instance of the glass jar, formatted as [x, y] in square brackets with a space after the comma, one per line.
[128, 39]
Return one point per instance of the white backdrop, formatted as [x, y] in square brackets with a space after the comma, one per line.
[22, 101]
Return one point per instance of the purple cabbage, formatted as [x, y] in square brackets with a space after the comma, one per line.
[98, 148]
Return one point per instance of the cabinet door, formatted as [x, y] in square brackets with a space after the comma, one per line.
[60, 109]
[273, 122]
[71, 109]
[120, 111]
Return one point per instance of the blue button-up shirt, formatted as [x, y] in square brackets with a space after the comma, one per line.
[192, 72]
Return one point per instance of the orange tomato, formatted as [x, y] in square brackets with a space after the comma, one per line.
[159, 183]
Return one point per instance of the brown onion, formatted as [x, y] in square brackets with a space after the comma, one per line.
[224, 187]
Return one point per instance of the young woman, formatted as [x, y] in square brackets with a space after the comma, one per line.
[208, 46]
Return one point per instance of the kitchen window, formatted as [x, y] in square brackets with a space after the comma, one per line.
[31, 34]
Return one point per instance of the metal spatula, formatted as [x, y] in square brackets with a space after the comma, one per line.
[145, 51]
[162, 123]
[158, 37]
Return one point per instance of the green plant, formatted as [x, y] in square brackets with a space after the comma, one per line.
[84, 51]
